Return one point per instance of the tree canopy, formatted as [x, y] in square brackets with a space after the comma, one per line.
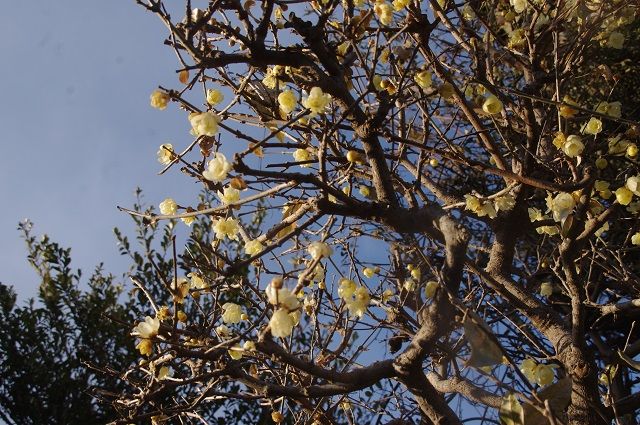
[412, 212]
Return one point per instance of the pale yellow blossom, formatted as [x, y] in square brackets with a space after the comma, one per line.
[317, 101]
[281, 323]
[159, 99]
[232, 313]
[287, 101]
[253, 247]
[229, 196]
[214, 96]
[204, 123]
[168, 207]
[217, 169]
[226, 227]
[165, 154]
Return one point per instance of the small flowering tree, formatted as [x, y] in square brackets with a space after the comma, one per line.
[448, 198]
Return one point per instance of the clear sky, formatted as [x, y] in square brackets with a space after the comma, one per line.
[77, 133]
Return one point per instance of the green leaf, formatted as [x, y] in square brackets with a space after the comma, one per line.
[511, 412]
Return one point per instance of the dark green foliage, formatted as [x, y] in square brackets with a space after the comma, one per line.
[48, 345]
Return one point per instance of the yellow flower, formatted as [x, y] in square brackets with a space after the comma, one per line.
[229, 196]
[287, 101]
[467, 12]
[281, 296]
[165, 154]
[358, 305]
[182, 316]
[235, 352]
[223, 331]
[217, 169]
[594, 126]
[182, 286]
[635, 239]
[204, 123]
[168, 207]
[492, 105]
[317, 100]
[163, 313]
[423, 79]
[601, 163]
[416, 273]
[546, 289]
[165, 372]
[159, 99]
[346, 289]
[573, 146]
[302, 155]
[559, 140]
[400, 4]
[434, 162]
[633, 184]
[430, 288]
[613, 109]
[147, 329]
[623, 195]
[368, 272]
[562, 205]
[473, 203]
[249, 346]
[519, 6]
[387, 295]
[145, 347]
[214, 96]
[226, 227]
[364, 190]
[535, 214]
[632, 150]
[319, 250]
[342, 48]
[188, 220]
[232, 313]
[281, 323]
[409, 285]
[615, 40]
[527, 367]
[567, 111]
[253, 247]
[384, 12]
[505, 203]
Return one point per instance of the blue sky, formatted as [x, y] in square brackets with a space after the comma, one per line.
[78, 135]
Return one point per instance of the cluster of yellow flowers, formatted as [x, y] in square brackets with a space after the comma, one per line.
[485, 207]
[384, 11]
[571, 145]
[287, 315]
[356, 297]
